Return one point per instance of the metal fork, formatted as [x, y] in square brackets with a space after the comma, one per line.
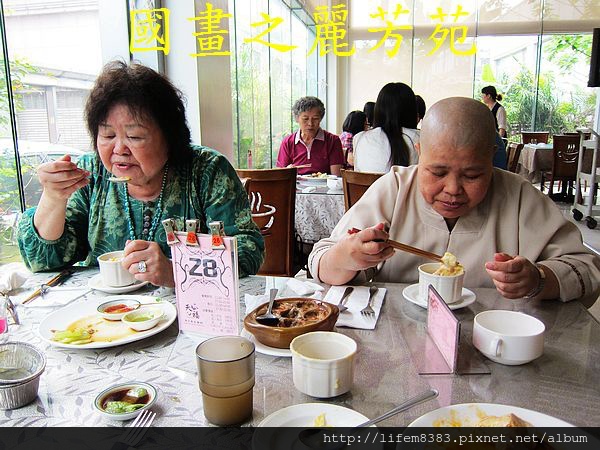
[345, 296]
[368, 311]
[136, 431]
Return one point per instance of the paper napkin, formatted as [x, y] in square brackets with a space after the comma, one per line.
[355, 302]
[13, 276]
[309, 189]
[56, 296]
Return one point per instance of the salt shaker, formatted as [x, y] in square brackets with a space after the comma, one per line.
[3, 319]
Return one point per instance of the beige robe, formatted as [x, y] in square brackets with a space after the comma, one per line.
[514, 218]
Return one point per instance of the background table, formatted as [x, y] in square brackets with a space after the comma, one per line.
[537, 158]
[317, 212]
[563, 382]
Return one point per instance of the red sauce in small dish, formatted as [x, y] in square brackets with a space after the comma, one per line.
[117, 309]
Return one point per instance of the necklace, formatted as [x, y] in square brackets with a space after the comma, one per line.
[150, 224]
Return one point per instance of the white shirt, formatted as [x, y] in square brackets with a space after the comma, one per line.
[500, 117]
[372, 150]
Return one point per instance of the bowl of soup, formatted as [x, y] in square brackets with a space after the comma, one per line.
[125, 401]
[296, 316]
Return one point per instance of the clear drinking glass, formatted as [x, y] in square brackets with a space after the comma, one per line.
[226, 378]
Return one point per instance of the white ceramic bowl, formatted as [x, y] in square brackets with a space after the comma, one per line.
[152, 392]
[323, 363]
[334, 183]
[112, 272]
[133, 319]
[133, 304]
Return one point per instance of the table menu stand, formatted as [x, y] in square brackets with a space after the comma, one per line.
[580, 206]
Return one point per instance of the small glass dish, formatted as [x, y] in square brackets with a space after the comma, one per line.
[117, 392]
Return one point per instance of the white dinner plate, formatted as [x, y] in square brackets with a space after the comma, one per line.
[312, 180]
[96, 283]
[276, 430]
[469, 414]
[61, 319]
[411, 293]
[265, 349]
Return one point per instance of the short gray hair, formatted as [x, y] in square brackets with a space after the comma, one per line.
[306, 104]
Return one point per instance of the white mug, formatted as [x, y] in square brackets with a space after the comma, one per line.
[508, 337]
[449, 287]
[323, 363]
[112, 272]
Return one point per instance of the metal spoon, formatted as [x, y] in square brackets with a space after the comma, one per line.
[269, 318]
[314, 437]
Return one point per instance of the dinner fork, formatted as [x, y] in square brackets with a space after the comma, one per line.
[368, 311]
[136, 431]
[345, 296]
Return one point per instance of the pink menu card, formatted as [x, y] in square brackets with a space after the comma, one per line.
[444, 328]
[206, 286]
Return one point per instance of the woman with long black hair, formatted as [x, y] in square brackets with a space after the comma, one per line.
[392, 140]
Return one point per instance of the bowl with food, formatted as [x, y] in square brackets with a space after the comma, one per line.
[112, 273]
[116, 309]
[446, 277]
[143, 319]
[125, 401]
[297, 315]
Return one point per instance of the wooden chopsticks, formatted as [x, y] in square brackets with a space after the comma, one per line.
[51, 282]
[406, 248]
[414, 250]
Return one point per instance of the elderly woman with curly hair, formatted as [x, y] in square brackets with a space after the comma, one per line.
[312, 147]
[136, 118]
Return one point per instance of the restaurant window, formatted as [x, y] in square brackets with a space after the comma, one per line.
[266, 81]
[54, 56]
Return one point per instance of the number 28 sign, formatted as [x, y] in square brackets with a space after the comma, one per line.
[206, 286]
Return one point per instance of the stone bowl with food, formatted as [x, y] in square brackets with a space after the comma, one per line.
[297, 315]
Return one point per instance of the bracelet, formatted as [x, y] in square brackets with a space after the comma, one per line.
[541, 283]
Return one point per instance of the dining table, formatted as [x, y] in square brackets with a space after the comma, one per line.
[563, 382]
[318, 210]
[538, 158]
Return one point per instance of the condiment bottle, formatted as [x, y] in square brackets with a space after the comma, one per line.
[3, 319]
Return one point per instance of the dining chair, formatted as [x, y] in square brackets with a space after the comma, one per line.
[274, 189]
[513, 152]
[246, 183]
[565, 154]
[355, 184]
[535, 137]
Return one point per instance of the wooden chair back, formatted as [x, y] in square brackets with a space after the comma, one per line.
[565, 154]
[277, 188]
[355, 184]
[246, 183]
[513, 152]
[535, 137]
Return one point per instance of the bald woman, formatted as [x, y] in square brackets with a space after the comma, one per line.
[504, 231]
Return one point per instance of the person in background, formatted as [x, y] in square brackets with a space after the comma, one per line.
[500, 157]
[505, 232]
[490, 97]
[392, 140]
[421, 108]
[369, 110]
[356, 121]
[311, 146]
[136, 119]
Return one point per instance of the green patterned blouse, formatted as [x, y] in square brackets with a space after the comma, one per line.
[207, 189]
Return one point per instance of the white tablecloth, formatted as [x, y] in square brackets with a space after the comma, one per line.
[317, 213]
